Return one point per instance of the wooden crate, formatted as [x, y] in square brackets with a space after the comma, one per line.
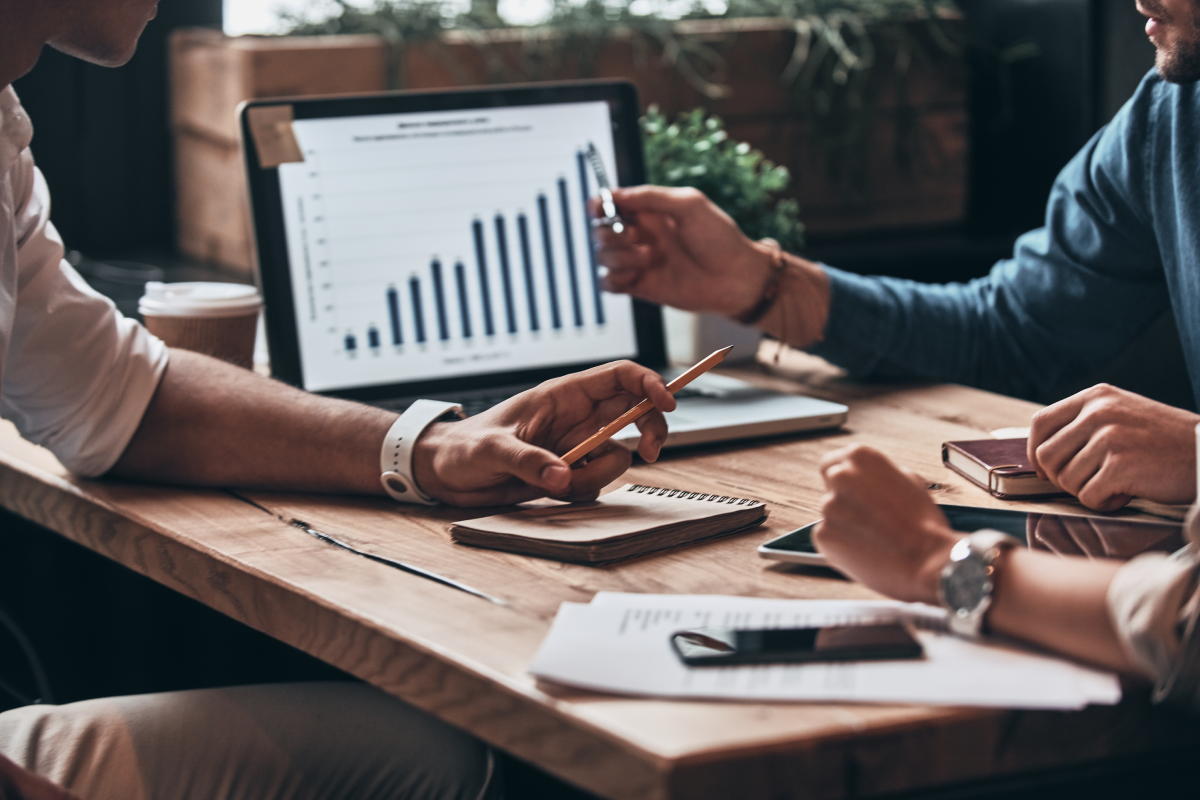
[929, 193]
[212, 73]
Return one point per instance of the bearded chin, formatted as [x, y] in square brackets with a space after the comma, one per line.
[1180, 64]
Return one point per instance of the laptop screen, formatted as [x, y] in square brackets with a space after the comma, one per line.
[446, 243]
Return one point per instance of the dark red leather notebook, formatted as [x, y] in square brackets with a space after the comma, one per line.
[999, 466]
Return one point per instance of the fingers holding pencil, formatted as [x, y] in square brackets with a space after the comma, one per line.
[613, 390]
[509, 453]
[646, 406]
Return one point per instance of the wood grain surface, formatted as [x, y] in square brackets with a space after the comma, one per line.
[464, 658]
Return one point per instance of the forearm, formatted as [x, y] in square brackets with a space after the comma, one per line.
[1061, 604]
[1020, 330]
[801, 307]
[213, 424]
[962, 333]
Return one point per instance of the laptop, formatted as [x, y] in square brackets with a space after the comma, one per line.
[437, 244]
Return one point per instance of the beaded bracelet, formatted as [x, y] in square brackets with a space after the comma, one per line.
[770, 290]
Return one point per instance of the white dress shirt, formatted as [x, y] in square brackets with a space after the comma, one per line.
[75, 375]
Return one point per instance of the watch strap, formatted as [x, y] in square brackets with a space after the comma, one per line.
[395, 458]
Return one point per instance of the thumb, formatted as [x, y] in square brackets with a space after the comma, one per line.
[528, 463]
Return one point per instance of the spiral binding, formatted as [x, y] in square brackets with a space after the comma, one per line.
[686, 495]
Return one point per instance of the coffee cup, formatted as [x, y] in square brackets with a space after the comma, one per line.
[217, 319]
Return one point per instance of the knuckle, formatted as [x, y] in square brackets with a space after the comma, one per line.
[858, 452]
[1092, 498]
[1095, 412]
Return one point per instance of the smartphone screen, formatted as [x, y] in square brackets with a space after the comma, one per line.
[1066, 534]
[725, 646]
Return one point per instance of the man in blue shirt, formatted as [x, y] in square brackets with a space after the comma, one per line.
[1118, 248]
[1121, 235]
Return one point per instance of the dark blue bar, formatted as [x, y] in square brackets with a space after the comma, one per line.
[464, 308]
[351, 343]
[551, 280]
[530, 290]
[394, 314]
[587, 227]
[439, 299]
[505, 276]
[373, 337]
[485, 289]
[576, 306]
[414, 290]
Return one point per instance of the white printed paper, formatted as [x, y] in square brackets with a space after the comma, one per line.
[620, 644]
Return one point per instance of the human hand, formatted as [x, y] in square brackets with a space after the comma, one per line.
[1106, 445]
[881, 528]
[679, 249]
[507, 454]
[18, 783]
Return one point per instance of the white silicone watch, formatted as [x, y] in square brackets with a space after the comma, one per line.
[395, 459]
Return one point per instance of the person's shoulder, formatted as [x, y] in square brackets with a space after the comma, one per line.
[1158, 101]
[1157, 113]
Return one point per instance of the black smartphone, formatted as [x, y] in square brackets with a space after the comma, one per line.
[715, 647]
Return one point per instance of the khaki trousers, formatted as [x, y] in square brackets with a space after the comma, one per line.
[318, 741]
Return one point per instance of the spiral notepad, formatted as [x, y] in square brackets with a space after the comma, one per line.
[632, 521]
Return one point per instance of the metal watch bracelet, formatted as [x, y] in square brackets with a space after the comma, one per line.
[967, 582]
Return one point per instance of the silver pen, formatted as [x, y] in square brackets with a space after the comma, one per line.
[611, 217]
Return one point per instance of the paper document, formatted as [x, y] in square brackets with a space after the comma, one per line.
[620, 643]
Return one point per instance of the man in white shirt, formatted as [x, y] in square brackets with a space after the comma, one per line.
[108, 398]
[1140, 617]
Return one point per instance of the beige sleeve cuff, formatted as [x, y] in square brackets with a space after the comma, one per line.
[1153, 603]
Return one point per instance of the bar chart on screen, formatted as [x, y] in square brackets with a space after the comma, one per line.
[448, 243]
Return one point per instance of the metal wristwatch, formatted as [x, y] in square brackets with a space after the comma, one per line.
[395, 459]
[967, 581]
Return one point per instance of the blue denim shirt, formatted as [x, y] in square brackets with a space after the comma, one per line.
[1120, 246]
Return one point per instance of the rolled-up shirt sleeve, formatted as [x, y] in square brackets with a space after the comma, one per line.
[1154, 601]
[78, 376]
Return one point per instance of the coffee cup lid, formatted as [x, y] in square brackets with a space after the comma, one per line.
[198, 299]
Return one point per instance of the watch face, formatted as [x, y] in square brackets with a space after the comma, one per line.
[967, 585]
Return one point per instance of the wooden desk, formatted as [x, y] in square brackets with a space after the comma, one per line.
[464, 659]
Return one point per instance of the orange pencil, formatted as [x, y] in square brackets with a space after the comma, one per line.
[632, 415]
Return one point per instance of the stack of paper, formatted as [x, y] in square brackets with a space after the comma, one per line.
[620, 643]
